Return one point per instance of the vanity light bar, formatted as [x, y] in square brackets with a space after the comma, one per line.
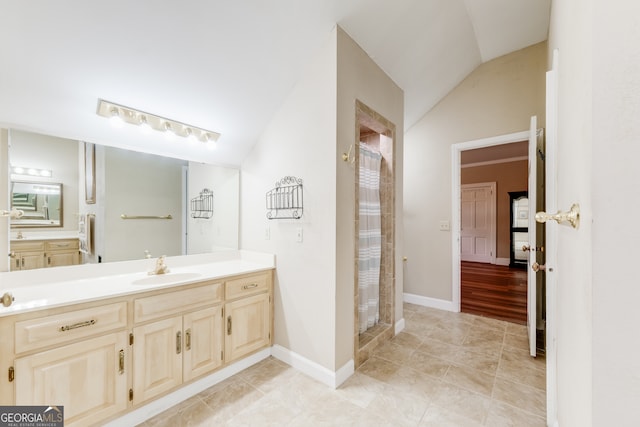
[117, 112]
[19, 170]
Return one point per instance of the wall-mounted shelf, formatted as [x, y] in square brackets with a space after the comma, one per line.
[285, 200]
[202, 206]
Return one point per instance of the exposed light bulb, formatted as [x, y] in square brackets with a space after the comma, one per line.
[210, 142]
[144, 124]
[33, 172]
[168, 130]
[116, 119]
[45, 173]
[191, 136]
[18, 170]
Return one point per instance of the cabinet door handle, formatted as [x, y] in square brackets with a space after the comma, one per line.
[229, 325]
[121, 362]
[77, 325]
[187, 339]
[179, 342]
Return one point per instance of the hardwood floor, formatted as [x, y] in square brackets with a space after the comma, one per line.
[494, 291]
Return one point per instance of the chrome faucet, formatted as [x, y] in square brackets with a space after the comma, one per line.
[161, 267]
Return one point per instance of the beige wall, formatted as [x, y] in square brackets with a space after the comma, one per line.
[314, 293]
[511, 176]
[498, 98]
[359, 78]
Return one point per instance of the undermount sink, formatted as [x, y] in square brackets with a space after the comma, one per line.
[163, 279]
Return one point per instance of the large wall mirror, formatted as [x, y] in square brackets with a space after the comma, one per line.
[142, 202]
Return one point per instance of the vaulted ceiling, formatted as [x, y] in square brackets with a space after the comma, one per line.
[228, 65]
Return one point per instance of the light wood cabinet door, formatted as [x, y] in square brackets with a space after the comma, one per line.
[247, 326]
[29, 260]
[88, 378]
[157, 358]
[56, 259]
[203, 342]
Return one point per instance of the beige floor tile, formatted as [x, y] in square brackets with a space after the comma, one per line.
[442, 350]
[415, 382]
[449, 333]
[488, 322]
[463, 402]
[470, 379]
[400, 408]
[484, 362]
[266, 412]
[482, 334]
[522, 369]
[516, 341]
[379, 369]
[483, 346]
[394, 352]
[331, 411]
[360, 389]
[268, 374]
[428, 364]
[515, 329]
[527, 398]
[440, 417]
[191, 413]
[503, 415]
[300, 393]
[407, 340]
[229, 401]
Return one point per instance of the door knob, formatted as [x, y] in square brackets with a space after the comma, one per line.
[572, 217]
[537, 267]
[527, 248]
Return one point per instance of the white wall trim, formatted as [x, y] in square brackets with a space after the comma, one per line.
[440, 304]
[399, 326]
[503, 261]
[456, 149]
[157, 406]
[313, 369]
[494, 162]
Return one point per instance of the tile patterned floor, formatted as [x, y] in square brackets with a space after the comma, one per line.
[444, 369]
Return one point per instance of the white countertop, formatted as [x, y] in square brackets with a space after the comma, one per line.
[28, 235]
[54, 287]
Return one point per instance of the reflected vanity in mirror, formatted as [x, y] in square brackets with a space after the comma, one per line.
[155, 190]
[40, 202]
[519, 228]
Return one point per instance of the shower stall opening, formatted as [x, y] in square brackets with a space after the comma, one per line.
[375, 232]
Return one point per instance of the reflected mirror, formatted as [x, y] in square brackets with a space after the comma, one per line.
[40, 202]
[141, 205]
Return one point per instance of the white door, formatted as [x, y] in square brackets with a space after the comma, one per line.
[536, 231]
[477, 222]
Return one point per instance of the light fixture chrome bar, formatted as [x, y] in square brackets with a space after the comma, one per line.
[132, 116]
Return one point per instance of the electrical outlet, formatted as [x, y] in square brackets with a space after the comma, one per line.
[267, 233]
[299, 234]
[444, 226]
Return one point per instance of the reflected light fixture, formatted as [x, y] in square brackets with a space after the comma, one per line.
[19, 170]
[144, 125]
[116, 112]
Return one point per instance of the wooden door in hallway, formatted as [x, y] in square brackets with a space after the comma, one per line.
[478, 219]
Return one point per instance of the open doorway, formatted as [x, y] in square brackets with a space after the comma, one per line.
[492, 282]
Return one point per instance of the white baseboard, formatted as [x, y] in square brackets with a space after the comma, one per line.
[503, 261]
[440, 304]
[312, 369]
[154, 408]
[399, 326]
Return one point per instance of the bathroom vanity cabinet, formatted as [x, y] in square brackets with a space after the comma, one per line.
[102, 358]
[31, 254]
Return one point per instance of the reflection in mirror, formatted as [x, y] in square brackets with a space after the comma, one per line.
[40, 202]
[140, 185]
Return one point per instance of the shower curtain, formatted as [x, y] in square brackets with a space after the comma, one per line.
[370, 238]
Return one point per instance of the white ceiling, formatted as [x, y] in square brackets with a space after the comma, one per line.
[228, 65]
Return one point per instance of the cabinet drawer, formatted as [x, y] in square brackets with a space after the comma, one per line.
[27, 246]
[65, 327]
[54, 245]
[176, 302]
[247, 285]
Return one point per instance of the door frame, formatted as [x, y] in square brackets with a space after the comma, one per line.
[456, 188]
